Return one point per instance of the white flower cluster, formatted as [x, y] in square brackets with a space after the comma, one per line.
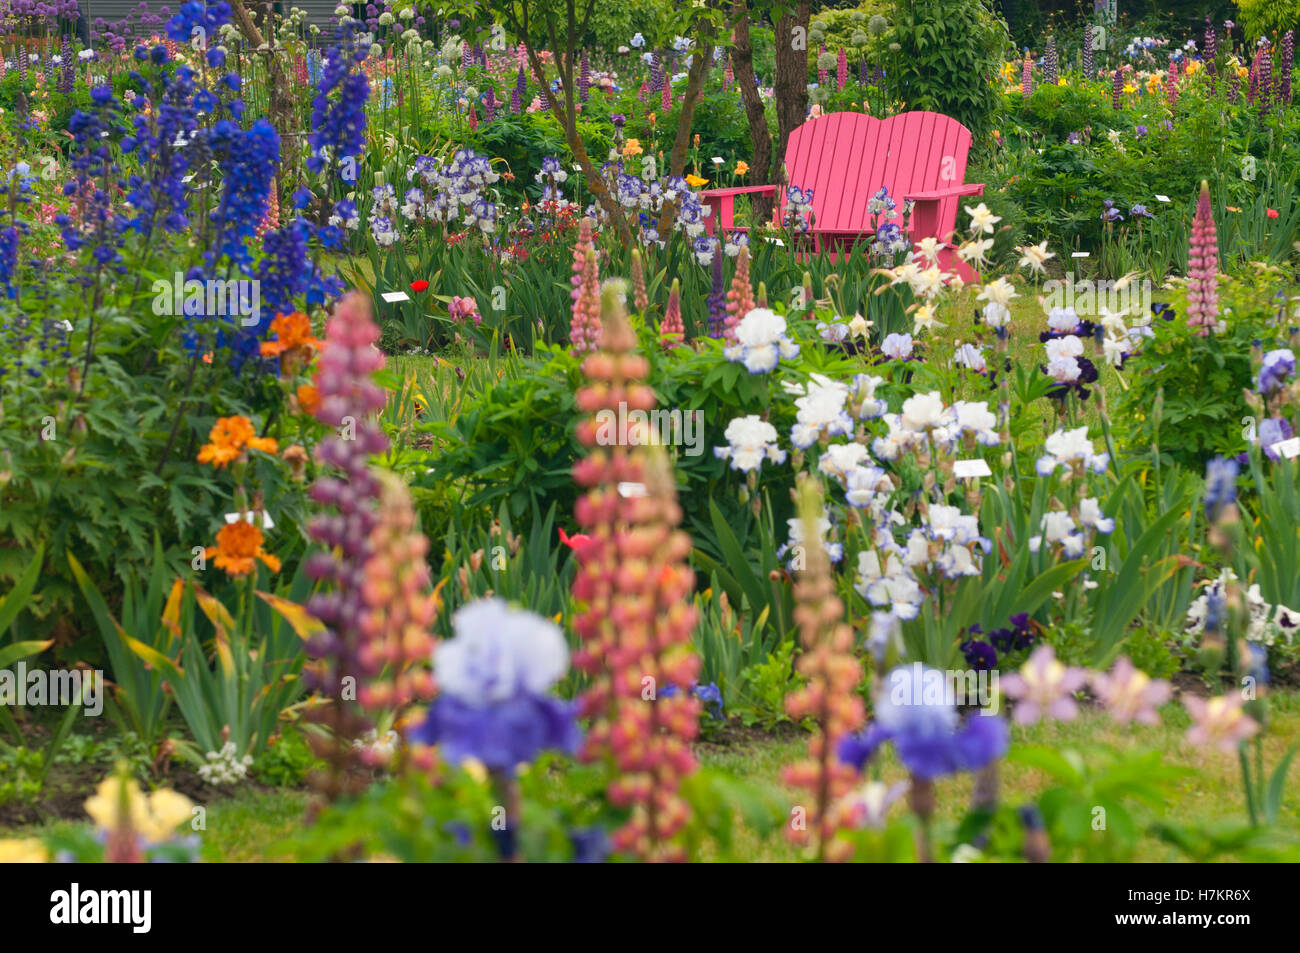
[1068, 449]
[761, 342]
[750, 441]
[383, 748]
[1060, 529]
[1268, 623]
[925, 420]
[224, 767]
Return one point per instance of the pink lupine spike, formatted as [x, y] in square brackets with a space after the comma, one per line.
[672, 333]
[1203, 268]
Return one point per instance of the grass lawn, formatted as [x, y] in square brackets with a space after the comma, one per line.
[248, 825]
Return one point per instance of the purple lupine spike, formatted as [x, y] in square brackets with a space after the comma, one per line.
[466, 56]
[1117, 88]
[656, 73]
[717, 300]
[1050, 61]
[521, 90]
[1089, 62]
[862, 71]
[347, 396]
[1288, 55]
[1234, 87]
[584, 78]
[490, 104]
[1264, 62]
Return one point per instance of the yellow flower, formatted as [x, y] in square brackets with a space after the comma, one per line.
[119, 802]
[632, 147]
[25, 850]
[694, 181]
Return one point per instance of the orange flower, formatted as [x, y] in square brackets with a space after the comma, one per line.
[694, 181]
[238, 544]
[229, 439]
[293, 340]
[308, 399]
[742, 167]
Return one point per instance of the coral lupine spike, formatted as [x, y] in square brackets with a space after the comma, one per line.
[635, 585]
[401, 606]
[1027, 76]
[672, 333]
[740, 299]
[1203, 267]
[639, 296]
[830, 695]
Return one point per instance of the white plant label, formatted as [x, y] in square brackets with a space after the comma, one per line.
[392, 296]
[969, 469]
[1287, 448]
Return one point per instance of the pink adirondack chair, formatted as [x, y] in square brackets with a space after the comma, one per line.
[846, 157]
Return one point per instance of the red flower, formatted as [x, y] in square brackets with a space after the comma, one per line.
[419, 285]
[576, 541]
[1272, 213]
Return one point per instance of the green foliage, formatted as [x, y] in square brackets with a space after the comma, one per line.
[1098, 794]
[1150, 653]
[1263, 18]
[764, 686]
[1183, 395]
[950, 54]
[286, 761]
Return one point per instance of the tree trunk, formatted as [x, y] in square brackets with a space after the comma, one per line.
[280, 108]
[742, 64]
[791, 84]
[681, 142]
[565, 109]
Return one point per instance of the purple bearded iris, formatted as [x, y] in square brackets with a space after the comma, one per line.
[493, 679]
[916, 713]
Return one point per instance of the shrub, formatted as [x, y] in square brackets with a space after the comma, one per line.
[949, 58]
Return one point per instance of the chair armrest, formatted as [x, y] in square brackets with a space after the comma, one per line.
[721, 203]
[938, 195]
[741, 190]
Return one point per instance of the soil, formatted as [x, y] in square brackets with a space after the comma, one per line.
[68, 784]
